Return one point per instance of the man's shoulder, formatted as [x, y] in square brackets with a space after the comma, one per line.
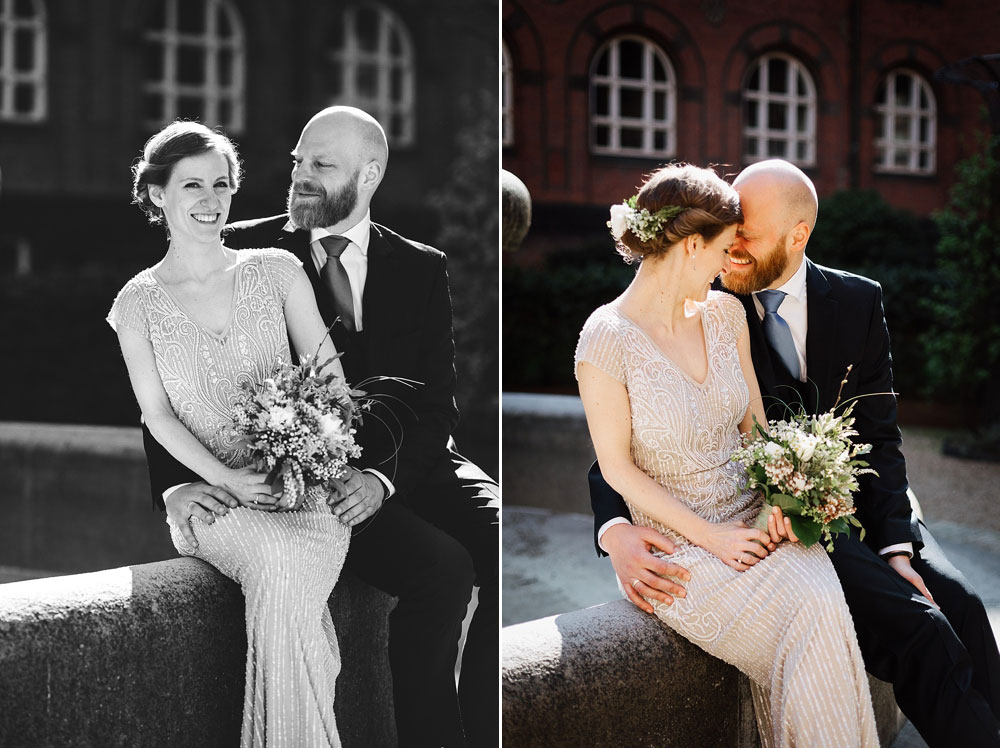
[255, 232]
[844, 281]
[417, 251]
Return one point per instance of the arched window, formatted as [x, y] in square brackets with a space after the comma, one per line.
[905, 124]
[779, 111]
[373, 69]
[506, 98]
[633, 99]
[22, 61]
[194, 63]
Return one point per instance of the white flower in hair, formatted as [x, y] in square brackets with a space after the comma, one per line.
[619, 217]
[640, 221]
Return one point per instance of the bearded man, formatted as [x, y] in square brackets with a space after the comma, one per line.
[919, 623]
[425, 519]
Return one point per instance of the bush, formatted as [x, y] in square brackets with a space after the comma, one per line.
[860, 232]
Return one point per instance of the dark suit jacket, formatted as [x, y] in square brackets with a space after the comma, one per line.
[406, 316]
[846, 326]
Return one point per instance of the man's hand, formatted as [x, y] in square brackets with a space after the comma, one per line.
[197, 500]
[901, 564]
[630, 549]
[357, 497]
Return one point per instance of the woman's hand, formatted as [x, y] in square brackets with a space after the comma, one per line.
[250, 488]
[735, 544]
[779, 527]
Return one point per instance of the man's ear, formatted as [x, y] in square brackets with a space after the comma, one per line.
[798, 237]
[370, 176]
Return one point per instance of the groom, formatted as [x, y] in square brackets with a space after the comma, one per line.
[920, 625]
[425, 518]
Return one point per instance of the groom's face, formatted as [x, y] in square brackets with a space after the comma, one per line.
[325, 171]
[759, 256]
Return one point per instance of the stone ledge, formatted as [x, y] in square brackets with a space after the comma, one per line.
[609, 676]
[153, 655]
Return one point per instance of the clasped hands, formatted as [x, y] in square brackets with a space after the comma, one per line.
[644, 575]
[353, 499]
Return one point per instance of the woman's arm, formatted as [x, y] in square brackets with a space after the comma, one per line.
[609, 420]
[306, 329]
[756, 407]
[166, 429]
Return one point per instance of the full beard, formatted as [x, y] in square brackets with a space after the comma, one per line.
[761, 274]
[331, 208]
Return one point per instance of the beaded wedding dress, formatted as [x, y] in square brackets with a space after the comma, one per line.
[287, 563]
[784, 621]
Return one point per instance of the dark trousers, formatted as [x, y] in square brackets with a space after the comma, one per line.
[428, 548]
[943, 665]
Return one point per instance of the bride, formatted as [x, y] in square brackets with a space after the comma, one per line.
[193, 328]
[668, 385]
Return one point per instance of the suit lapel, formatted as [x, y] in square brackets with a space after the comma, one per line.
[821, 335]
[375, 301]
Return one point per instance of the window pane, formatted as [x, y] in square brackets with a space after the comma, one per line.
[226, 62]
[153, 62]
[395, 44]
[156, 15]
[754, 83]
[776, 148]
[925, 130]
[660, 105]
[630, 59]
[776, 116]
[630, 102]
[750, 146]
[152, 107]
[602, 135]
[190, 17]
[800, 83]
[800, 150]
[904, 90]
[902, 128]
[659, 140]
[24, 98]
[336, 80]
[190, 107]
[23, 9]
[924, 103]
[777, 75]
[924, 160]
[397, 126]
[190, 64]
[366, 79]
[601, 98]
[659, 71]
[396, 78]
[601, 68]
[222, 26]
[750, 110]
[802, 118]
[366, 29]
[630, 137]
[901, 158]
[225, 111]
[24, 49]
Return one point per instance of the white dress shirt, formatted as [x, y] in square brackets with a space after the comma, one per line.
[794, 311]
[355, 261]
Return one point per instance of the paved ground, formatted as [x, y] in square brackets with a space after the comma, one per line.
[550, 567]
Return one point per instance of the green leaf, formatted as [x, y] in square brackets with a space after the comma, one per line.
[839, 526]
[807, 530]
[787, 504]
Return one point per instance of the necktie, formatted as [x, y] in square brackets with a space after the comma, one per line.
[776, 331]
[336, 279]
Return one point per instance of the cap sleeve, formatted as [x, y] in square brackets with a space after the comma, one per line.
[600, 345]
[283, 268]
[129, 310]
[732, 314]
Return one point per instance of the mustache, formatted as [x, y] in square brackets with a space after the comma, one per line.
[308, 187]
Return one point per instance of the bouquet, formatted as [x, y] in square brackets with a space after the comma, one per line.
[300, 425]
[808, 466]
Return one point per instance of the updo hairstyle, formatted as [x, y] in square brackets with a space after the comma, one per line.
[709, 206]
[177, 141]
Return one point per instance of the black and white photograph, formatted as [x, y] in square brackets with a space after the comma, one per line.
[249, 287]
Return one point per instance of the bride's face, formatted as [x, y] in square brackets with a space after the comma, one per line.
[716, 253]
[197, 197]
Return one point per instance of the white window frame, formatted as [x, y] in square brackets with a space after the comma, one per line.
[507, 97]
[382, 106]
[886, 142]
[790, 135]
[211, 92]
[613, 119]
[11, 77]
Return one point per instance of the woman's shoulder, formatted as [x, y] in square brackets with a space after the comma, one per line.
[269, 255]
[726, 304]
[137, 283]
[605, 316]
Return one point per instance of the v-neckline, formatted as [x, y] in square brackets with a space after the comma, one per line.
[220, 336]
[662, 353]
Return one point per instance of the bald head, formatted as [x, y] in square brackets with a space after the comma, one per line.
[351, 129]
[787, 184]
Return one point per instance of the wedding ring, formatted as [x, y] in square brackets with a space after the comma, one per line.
[635, 582]
[742, 561]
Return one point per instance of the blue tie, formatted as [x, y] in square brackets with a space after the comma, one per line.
[776, 331]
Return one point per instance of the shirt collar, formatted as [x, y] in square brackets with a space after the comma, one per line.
[358, 234]
[796, 285]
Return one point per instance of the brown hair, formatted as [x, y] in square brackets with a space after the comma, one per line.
[709, 206]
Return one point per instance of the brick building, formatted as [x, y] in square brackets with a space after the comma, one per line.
[596, 93]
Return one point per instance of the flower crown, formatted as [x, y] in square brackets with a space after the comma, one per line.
[640, 221]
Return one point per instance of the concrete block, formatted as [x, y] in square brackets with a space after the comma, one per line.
[610, 676]
[153, 655]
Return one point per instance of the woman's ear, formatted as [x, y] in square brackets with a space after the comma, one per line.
[156, 195]
[692, 243]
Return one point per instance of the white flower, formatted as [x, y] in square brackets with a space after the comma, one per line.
[773, 450]
[617, 224]
[331, 427]
[280, 415]
[805, 446]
